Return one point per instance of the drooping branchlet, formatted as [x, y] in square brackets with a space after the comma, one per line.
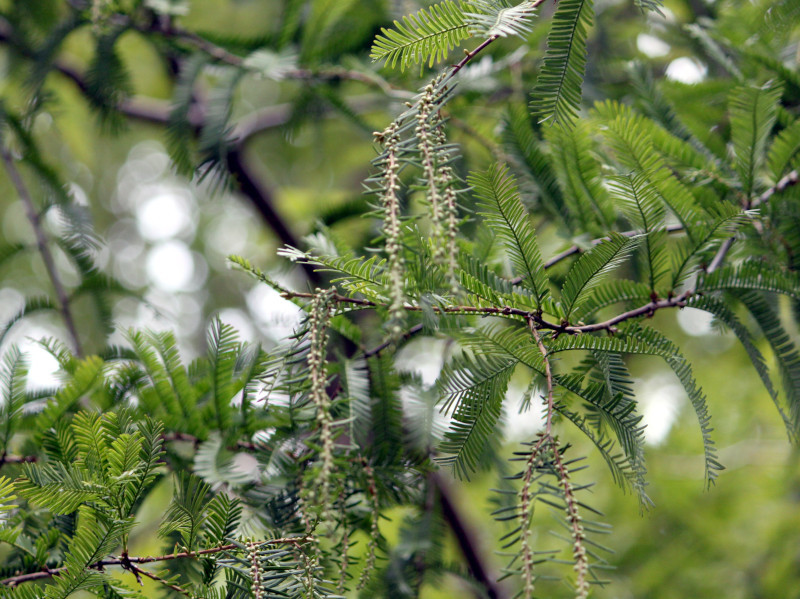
[374, 532]
[390, 184]
[579, 554]
[438, 179]
[321, 308]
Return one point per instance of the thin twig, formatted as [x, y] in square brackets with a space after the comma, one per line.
[577, 249]
[784, 183]
[137, 571]
[647, 309]
[17, 459]
[723, 250]
[222, 55]
[379, 348]
[789, 180]
[548, 377]
[123, 560]
[44, 249]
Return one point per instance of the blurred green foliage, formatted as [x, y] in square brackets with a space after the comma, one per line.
[307, 145]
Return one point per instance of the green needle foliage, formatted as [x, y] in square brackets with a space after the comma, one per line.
[276, 462]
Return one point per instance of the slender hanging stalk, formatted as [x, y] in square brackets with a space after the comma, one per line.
[427, 138]
[391, 226]
[446, 180]
[321, 307]
[526, 505]
[256, 586]
[344, 547]
[579, 554]
[374, 532]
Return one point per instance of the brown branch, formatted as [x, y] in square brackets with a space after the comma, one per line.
[44, 249]
[718, 258]
[170, 31]
[379, 348]
[137, 571]
[16, 459]
[784, 183]
[126, 561]
[789, 180]
[467, 539]
[577, 249]
[647, 309]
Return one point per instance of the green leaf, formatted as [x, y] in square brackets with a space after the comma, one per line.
[214, 142]
[753, 111]
[638, 339]
[785, 151]
[528, 155]
[723, 312]
[215, 464]
[13, 395]
[579, 175]
[151, 434]
[786, 352]
[631, 137]
[323, 19]
[589, 270]
[683, 370]
[160, 399]
[752, 275]
[488, 288]
[641, 203]
[706, 238]
[223, 349]
[182, 389]
[503, 211]
[650, 5]
[358, 275]
[671, 138]
[497, 19]
[618, 411]
[386, 409]
[60, 488]
[96, 536]
[474, 388]
[618, 463]
[93, 443]
[223, 514]
[108, 82]
[426, 36]
[86, 374]
[608, 293]
[514, 341]
[180, 131]
[32, 305]
[6, 497]
[185, 513]
[269, 64]
[557, 95]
